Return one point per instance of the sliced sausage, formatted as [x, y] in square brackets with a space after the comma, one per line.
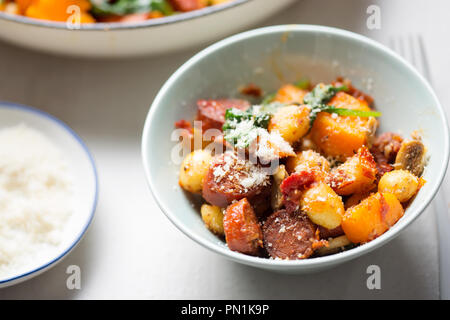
[387, 144]
[289, 236]
[330, 233]
[212, 112]
[358, 94]
[230, 178]
[384, 150]
[184, 124]
[242, 230]
[382, 163]
[260, 203]
[293, 186]
[252, 90]
[186, 5]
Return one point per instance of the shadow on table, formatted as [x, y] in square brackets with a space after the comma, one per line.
[405, 274]
[346, 281]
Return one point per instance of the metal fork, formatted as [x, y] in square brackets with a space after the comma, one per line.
[412, 48]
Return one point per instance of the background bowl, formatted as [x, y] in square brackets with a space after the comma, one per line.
[153, 36]
[84, 174]
[269, 57]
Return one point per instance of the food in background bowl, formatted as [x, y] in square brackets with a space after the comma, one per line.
[103, 10]
[301, 173]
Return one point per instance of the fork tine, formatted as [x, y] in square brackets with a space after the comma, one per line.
[413, 51]
[424, 60]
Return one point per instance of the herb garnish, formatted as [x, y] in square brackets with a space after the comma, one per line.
[318, 98]
[303, 84]
[124, 7]
[242, 127]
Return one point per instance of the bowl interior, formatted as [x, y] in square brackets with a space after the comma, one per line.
[270, 57]
[82, 171]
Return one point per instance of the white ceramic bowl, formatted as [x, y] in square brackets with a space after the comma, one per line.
[83, 170]
[280, 54]
[153, 36]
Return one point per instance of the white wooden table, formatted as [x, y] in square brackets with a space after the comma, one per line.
[131, 249]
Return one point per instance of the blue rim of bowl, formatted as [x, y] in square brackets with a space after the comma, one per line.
[103, 26]
[11, 105]
[318, 261]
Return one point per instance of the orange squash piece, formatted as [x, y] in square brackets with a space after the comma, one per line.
[23, 5]
[56, 10]
[342, 136]
[290, 94]
[372, 217]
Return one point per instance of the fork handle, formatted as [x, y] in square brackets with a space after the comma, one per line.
[443, 222]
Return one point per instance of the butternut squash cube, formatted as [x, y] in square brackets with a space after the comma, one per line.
[372, 217]
[341, 136]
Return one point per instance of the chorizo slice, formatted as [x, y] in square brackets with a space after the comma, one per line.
[212, 112]
[252, 90]
[290, 236]
[230, 178]
[186, 5]
[382, 163]
[388, 144]
[358, 94]
[293, 186]
[330, 233]
[242, 230]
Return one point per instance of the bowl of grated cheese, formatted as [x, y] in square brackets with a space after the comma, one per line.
[48, 191]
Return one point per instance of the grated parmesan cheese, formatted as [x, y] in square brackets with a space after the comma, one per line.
[35, 200]
[243, 172]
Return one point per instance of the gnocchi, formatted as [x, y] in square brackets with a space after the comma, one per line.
[193, 170]
[401, 183]
[323, 206]
[212, 216]
[292, 122]
[356, 175]
[307, 159]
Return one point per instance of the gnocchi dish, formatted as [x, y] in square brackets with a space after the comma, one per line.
[299, 173]
[103, 10]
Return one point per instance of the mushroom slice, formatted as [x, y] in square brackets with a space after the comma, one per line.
[411, 157]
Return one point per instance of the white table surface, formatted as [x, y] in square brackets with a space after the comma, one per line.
[131, 249]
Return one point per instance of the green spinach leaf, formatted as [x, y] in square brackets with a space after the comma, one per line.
[124, 7]
[242, 127]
